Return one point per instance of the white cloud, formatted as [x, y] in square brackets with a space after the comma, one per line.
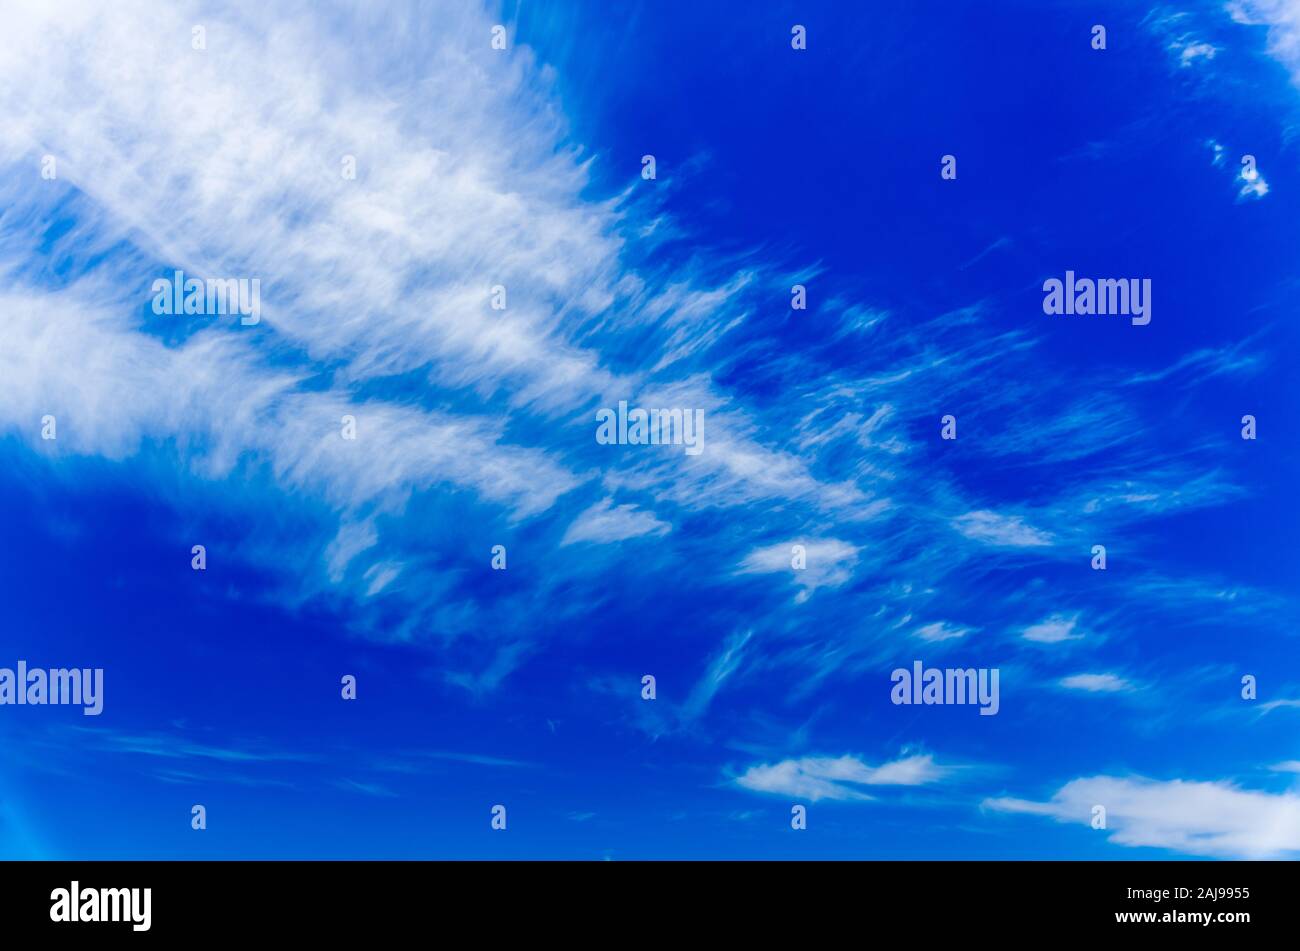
[380, 576]
[721, 668]
[816, 777]
[829, 563]
[272, 202]
[1197, 818]
[940, 631]
[226, 162]
[1286, 766]
[66, 354]
[465, 178]
[1272, 705]
[1282, 17]
[604, 523]
[1004, 530]
[1253, 184]
[1096, 683]
[1191, 50]
[1052, 630]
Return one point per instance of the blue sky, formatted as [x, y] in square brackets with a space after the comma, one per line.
[475, 427]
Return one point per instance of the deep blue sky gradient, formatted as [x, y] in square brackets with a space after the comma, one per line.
[222, 686]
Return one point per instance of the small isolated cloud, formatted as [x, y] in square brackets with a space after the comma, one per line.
[824, 777]
[604, 523]
[1096, 683]
[1253, 185]
[1286, 766]
[828, 563]
[1189, 51]
[940, 631]
[1187, 48]
[1009, 531]
[1052, 630]
[1197, 818]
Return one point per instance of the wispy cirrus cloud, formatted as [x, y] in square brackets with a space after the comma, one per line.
[1053, 630]
[605, 522]
[386, 278]
[1096, 683]
[822, 777]
[365, 788]
[1283, 704]
[940, 631]
[993, 528]
[366, 281]
[474, 424]
[179, 746]
[721, 668]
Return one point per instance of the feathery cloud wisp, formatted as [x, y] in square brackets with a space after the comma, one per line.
[821, 777]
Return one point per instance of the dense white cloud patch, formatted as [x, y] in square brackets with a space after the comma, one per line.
[1198, 818]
